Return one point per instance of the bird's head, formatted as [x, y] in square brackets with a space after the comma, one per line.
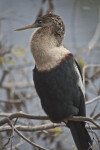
[53, 21]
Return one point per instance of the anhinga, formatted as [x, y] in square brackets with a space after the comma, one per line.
[57, 77]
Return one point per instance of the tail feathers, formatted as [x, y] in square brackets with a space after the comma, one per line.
[80, 135]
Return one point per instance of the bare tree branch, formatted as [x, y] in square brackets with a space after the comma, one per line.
[74, 118]
[93, 100]
[33, 128]
[40, 127]
[27, 116]
[22, 115]
[97, 116]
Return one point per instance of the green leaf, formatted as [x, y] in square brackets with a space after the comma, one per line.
[81, 62]
[1, 59]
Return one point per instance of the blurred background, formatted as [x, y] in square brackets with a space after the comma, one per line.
[17, 92]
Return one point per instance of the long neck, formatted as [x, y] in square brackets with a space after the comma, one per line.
[42, 41]
[46, 49]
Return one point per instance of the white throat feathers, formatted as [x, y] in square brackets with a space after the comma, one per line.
[46, 50]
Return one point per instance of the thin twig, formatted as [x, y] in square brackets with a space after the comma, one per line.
[12, 133]
[6, 144]
[30, 142]
[97, 116]
[92, 127]
[93, 100]
[93, 111]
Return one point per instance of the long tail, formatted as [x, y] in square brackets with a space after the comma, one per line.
[80, 135]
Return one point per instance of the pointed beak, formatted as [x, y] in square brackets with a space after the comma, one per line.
[27, 27]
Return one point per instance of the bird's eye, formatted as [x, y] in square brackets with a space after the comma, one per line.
[39, 22]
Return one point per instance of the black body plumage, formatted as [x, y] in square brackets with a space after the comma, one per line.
[58, 89]
[62, 97]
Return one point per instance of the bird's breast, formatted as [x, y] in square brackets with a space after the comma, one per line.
[48, 59]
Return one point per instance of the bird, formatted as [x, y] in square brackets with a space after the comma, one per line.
[57, 77]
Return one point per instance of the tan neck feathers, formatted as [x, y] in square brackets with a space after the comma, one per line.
[45, 51]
